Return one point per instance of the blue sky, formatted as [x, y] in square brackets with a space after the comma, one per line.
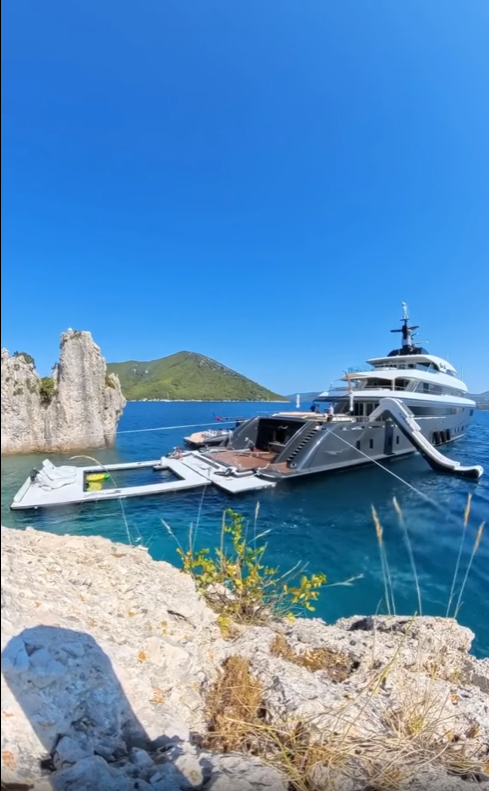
[260, 182]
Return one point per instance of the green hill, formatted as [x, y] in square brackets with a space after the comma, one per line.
[481, 399]
[187, 375]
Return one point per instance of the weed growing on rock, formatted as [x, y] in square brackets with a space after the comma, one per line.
[234, 708]
[337, 666]
[28, 358]
[369, 741]
[47, 389]
[237, 583]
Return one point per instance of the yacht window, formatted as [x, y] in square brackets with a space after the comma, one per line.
[371, 444]
[375, 384]
[358, 444]
[441, 411]
[435, 389]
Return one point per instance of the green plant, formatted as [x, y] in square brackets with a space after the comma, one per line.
[109, 381]
[237, 584]
[47, 389]
[27, 358]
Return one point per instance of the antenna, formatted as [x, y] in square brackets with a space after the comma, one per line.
[406, 329]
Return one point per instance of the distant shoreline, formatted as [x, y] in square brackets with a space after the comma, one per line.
[201, 401]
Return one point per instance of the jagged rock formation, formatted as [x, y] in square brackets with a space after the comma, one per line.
[78, 407]
[107, 656]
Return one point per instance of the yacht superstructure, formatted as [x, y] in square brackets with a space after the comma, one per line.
[426, 384]
[414, 386]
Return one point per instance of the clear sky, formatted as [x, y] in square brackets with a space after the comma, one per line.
[262, 182]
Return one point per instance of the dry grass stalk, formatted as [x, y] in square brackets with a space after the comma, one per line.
[403, 525]
[234, 707]
[337, 666]
[478, 539]
[388, 587]
[460, 550]
[385, 747]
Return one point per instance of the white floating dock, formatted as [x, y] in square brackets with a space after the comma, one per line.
[212, 471]
[66, 485]
[34, 495]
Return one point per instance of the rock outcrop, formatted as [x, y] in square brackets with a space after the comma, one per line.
[78, 407]
[107, 658]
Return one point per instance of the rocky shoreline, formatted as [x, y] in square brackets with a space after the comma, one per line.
[110, 660]
[78, 406]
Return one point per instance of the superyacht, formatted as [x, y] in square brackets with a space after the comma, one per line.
[405, 402]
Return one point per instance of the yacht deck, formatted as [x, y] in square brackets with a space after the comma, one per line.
[242, 459]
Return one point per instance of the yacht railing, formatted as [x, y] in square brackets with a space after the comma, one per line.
[362, 388]
[407, 367]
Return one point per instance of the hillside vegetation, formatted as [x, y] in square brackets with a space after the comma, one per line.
[481, 399]
[187, 375]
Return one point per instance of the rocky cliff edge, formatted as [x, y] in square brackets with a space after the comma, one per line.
[109, 660]
[77, 407]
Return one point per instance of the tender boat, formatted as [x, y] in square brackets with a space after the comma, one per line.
[209, 438]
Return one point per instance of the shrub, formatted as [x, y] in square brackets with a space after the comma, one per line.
[47, 389]
[109, 382]
[239, 586]
[28, 358]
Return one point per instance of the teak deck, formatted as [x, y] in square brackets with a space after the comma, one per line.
[243, 460]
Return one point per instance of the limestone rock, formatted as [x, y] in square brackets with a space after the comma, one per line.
[242, 773]
[82, 411]
[107, 656]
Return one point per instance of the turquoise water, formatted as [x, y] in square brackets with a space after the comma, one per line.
[324, 521]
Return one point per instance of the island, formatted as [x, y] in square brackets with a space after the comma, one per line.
[187, 376]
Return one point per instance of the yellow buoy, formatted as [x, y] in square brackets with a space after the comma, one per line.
[94, 486]
[97, 476]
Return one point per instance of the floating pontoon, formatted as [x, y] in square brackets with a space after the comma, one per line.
[66, 485]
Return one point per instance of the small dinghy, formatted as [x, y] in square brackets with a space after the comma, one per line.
[210, 438]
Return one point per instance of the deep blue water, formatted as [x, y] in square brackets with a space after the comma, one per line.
[324, 521]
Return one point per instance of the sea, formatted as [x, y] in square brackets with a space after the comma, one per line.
[323, 523]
